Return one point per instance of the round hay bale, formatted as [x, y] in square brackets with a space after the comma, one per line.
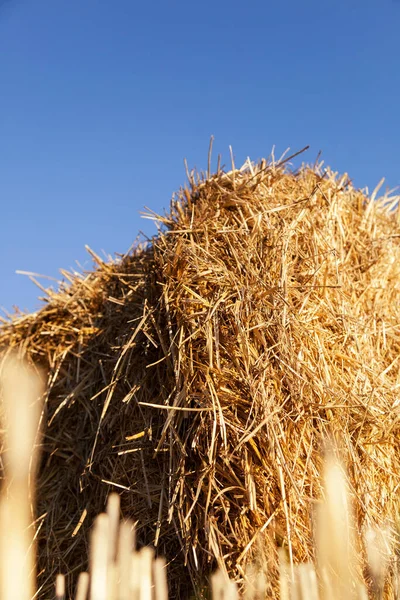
[199, 375]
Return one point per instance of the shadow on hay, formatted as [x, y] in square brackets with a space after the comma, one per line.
[104, 343]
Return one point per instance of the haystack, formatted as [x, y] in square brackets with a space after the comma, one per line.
[199, 375]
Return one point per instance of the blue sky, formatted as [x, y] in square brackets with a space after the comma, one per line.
[102, 100]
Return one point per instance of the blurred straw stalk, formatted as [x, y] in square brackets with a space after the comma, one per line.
[21, 392]
[120, 572]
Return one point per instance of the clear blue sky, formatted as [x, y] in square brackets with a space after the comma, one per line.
[101, 101]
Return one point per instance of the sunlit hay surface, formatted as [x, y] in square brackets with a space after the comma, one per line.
[264, 317]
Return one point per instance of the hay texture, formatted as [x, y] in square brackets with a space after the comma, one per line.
[198, 375]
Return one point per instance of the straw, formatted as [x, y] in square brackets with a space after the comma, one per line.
[262, 318]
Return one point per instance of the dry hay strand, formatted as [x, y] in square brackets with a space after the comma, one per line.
[198, 376]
